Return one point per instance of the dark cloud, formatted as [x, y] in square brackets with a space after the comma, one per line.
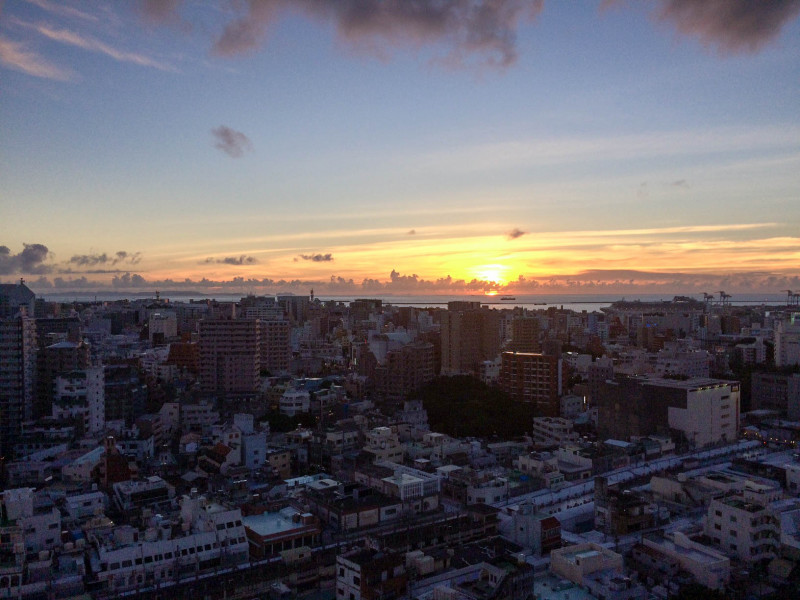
[475, 27]
[681, 183]
[730, 25]
[129, 280]
[30, 260]
[515, 233]
[231, 142]
[159, 12]
[232, 260]
[92, 260]
[412, 232]
[317, 257]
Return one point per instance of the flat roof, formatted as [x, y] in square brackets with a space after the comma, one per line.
[268, 523]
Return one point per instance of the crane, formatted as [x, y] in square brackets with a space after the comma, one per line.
[724, 299]
[793, 298]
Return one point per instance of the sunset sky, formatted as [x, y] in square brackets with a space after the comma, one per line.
[400, 146]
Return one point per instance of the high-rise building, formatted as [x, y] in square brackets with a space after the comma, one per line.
[525, 335]
[470, 335]
[53, 360]
[275, 345]
[229, 356]
[536, 379]
[404, 371]
[17, 376]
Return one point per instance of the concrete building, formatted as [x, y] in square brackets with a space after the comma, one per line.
[707, 566]
[215, 537]
[702, 411]
[80, 397]
[776, 391]
[536, 379]
[366, 574]
[270, 533]
[552, 431]
[538, 531]
[17, 376]
[275, 345]
[162, 327]
[470, 335]
[744, 528]
[787, 341]
[229, 356]
[576, 562]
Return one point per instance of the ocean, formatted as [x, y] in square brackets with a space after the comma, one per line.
[576, 302]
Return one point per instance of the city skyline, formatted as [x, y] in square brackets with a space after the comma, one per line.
[391, 147]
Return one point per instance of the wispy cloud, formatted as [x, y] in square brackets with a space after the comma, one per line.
[515, 233]
[654, 144]
[91, 44]
[17, 56]
[63, 10]
[231, 142]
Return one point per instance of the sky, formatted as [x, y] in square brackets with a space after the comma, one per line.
[400, 146]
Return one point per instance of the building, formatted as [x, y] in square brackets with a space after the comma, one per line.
[404, 371]
[538, 531]
[536, 379]
[125, 393]
[744, 528]
[214, 538]
[787, 341]
[16, 297]
[80, 397]
[230, 360]
[367, 574]
[552, 431]
[470, 335]
[270, 533]
[576, 562]
[275, 345]
[776, 391]
[662, 557]
[17, 373]
[700, 411]
[525, 333]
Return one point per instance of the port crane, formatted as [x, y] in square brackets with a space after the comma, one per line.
[793, 298]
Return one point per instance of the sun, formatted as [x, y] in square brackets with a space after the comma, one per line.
[492, 273]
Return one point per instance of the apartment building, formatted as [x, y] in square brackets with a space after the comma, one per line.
[537, 379]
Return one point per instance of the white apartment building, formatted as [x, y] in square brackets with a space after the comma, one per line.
[80, 395]
[216, 536]
[294, 402]
[787, 341]
[384, 445]
[40, 526]
[709, 567]
[552, 431]
[198, 417]
[543, 465]
[744, 529]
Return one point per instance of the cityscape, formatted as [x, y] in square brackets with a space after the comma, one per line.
[400, 300]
